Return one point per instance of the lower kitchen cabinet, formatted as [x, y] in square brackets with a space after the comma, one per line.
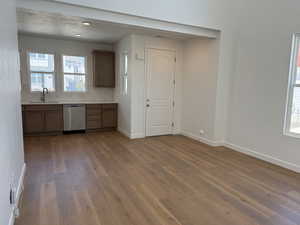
[48, 119]
[33, 121]
[101, 116]
[42, 119]
[109, 115]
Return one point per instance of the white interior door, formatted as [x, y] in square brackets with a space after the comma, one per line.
[160, 70]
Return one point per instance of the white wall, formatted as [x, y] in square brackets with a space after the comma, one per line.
[11, 143]
[259, 84]
[124, 100]
[200, 88]
[253, 66]
[58, 47]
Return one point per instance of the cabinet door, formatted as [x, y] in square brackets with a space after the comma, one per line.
[33, 122]
[109, 116]
[104, 68]
[53, 121]
[93, 116]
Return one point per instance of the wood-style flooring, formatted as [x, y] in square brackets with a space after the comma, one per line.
[107, 179]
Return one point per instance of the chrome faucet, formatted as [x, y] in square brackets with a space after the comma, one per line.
[43, 97]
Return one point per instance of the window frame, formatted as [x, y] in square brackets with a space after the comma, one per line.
[292, 85]
[78, 74]
[41, 72]
[124, 73]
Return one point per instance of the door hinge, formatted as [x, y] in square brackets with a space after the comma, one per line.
[175, 59]
[173, 103]
[172, 124]
[174, 82]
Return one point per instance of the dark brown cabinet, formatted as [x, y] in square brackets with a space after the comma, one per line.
[39, 119]
[101, 116]
[48, 119]
[33, 122]
[104, 68]
[109, 115]
[93, 116]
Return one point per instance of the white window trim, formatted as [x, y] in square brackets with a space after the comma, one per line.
[291, 85]
[29, 71]
[80, 74]
[124, 74]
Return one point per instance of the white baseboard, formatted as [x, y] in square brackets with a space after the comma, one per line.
[131, 135]
[18, 195]
[201, 139]
[264, 157]
[267, 158]
[124, 132]
[137, 135]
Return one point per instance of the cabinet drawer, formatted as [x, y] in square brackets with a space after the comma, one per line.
[93, 112]
[42, 107]
[93, 117]
[109, 106]
[93, 124]
[93, 106]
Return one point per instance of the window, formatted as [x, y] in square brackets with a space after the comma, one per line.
[41, 71]
[74, 73]
[125, 74]
[292, 121]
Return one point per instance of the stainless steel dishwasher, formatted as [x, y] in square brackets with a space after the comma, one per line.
[74, 117]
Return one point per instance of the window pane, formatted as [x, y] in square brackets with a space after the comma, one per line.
[41, 62]
[42, 80]
[74, 82]
[74, 64]
[295, 113]
[126, 64]
[298, 68]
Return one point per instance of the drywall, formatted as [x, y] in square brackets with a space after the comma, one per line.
[11, 142]
[122, 47]
[199, 88]
[259, 84]
[59, 47]
[211, 14]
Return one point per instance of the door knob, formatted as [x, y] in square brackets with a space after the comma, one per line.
[148, 105]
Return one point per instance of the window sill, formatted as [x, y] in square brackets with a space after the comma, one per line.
[290, 134]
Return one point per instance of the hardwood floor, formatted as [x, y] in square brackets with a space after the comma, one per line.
[107, 179]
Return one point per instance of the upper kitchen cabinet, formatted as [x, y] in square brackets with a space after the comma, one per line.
[104, 68]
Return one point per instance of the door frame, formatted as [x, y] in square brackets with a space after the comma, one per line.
[146, 85]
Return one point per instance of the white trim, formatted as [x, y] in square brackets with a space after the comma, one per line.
[291, 85]
[18, 195]
[263, 157]
[258, 155]
[137, 135]
[131, 135]
[124, 132]
[201, 139]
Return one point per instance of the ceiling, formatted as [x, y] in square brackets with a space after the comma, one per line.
[55, 25]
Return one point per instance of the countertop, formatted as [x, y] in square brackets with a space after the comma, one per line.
[66, 102]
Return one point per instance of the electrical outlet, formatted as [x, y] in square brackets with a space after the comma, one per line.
[202, 132]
